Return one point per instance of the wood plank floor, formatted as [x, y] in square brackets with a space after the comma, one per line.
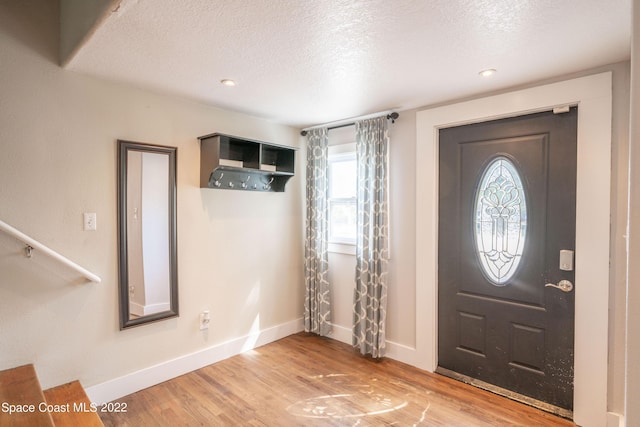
[305, 380]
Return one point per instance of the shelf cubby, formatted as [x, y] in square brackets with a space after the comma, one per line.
[232, 163]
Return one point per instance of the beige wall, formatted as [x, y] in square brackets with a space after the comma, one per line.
[618, 266]
[134, 234]
[239, 254]
[633, 302]
[401, 294]
[77, 18]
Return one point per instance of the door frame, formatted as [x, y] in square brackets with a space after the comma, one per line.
[593, 95]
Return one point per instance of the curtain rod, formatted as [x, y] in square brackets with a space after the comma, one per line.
[391, 116]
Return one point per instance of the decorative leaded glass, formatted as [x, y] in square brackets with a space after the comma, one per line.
[500, 220]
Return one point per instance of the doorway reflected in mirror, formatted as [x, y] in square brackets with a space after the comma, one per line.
[147, 233]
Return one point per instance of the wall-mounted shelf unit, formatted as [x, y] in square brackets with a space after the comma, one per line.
[232, 163]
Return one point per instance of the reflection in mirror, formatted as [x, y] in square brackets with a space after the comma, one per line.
[147, 232]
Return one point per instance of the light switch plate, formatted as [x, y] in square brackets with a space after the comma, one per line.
[90, 221]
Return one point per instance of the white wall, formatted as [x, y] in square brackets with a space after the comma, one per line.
[239, 254]
[401, 326]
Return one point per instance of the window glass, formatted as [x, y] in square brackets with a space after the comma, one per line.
[342, 198]
[342, 177]
[500, 220]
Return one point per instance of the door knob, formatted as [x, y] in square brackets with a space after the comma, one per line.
[563, 285]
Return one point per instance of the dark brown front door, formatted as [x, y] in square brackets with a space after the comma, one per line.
[506, 211]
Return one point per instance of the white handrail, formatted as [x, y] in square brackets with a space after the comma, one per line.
[34, 244]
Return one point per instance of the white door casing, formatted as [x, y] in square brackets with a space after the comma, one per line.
[593, 95]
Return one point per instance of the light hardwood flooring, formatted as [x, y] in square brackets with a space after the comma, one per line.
[305, 380]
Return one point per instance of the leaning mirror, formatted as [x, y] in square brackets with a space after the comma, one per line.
[147, 233]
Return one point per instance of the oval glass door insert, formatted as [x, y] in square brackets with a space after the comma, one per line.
[500, 220]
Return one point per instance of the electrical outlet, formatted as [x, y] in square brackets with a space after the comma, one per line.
[90, 221]
[205, 318]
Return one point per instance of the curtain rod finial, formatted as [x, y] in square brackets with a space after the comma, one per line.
[393, 116]
[303, 133]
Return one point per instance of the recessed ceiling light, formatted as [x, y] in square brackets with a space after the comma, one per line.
[228, 82]
[488, 72]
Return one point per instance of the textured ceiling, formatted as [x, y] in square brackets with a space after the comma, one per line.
[304, 62]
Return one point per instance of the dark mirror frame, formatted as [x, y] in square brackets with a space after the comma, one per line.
[124, 147]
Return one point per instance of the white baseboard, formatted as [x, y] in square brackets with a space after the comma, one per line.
[395, 351]
[156, 308]
[340, 333]
[135, 308]
[144, 310]
[136, 381]
[615, 420]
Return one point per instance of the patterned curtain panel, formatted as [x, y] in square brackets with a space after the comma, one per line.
[317, 311]
[372, 250]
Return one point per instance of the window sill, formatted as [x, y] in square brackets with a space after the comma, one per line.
[342, 248]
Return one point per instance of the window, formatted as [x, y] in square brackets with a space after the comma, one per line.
[342, 195]
[500, 220]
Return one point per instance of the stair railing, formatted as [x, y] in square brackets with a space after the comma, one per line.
[32, 244]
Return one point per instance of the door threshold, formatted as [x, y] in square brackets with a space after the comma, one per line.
[547, 407]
